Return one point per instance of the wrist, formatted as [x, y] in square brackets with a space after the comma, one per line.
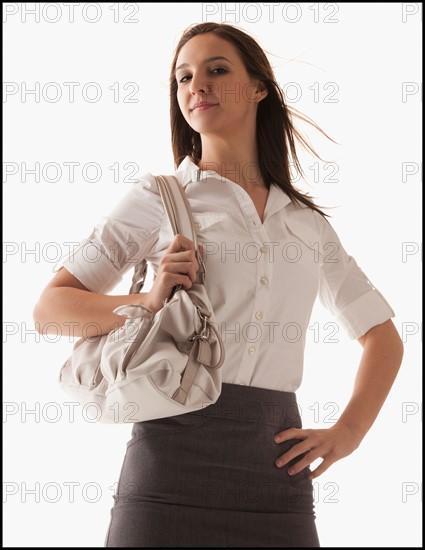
[356, 432]
[143, 299]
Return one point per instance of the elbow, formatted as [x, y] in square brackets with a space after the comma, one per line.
[397, 351]
[394, 340]
[41, 314]
[400, 346]
[37, 317]
[395, 344]
[387, 337]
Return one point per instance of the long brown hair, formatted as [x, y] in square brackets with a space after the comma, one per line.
[276, 133]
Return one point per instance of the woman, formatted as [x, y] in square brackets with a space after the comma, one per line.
[238, 472]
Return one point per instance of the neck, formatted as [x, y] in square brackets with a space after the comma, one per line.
[233, 159]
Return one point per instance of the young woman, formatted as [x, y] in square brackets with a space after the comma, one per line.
[236, 473]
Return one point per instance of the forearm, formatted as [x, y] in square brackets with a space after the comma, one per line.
[74, 312]
[379, 365]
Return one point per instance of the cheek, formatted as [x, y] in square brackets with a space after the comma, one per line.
[179, 100]
[238, 94]
[183, 106]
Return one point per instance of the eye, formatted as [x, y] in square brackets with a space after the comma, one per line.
[182, 80]
[219, 69]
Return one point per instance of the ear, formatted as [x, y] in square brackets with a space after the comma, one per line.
[261, 91]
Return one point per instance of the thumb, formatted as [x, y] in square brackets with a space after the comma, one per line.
[177, 244]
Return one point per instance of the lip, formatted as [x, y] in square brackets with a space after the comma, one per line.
[203, 106]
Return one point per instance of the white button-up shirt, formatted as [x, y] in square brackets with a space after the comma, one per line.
[262, 278]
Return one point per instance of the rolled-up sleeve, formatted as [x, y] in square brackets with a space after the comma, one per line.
[346, 291]
[120, 240]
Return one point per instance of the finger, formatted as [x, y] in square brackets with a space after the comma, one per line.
[185, 243]
[171, 279]
[181, 256]
[291, 433]
[182, 268]
[295, 451]
[309, 458]
[175, 266]
[184, 256]
[180, 241]
[321, 468]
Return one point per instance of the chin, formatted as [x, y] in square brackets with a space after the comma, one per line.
[208, 126]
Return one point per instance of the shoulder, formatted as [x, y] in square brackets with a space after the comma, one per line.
[143, 191]
[140, 204]
[306, 223]
[146, 183]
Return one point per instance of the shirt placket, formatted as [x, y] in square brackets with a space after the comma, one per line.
[261, 290]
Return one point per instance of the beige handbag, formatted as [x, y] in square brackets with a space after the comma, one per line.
[155, 365]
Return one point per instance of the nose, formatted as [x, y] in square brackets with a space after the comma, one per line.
[198, 85]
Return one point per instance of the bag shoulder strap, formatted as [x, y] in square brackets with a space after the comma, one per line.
[177, 207]
[180, 217]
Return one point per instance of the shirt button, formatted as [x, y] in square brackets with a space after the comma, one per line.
[259, 315]
[241, 384]
[264, 249]
[251, 350]
[198, 225]
[264, 280]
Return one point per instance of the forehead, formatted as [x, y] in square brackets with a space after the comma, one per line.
[206, 45]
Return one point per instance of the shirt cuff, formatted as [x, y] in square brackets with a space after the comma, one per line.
[365, 312]
[102, 279]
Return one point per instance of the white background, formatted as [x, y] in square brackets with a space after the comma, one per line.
[371, 498]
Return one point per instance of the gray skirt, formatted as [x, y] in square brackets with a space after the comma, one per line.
[208, 478]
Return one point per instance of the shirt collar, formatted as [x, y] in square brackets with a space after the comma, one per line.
[189, 172]
[186, 172]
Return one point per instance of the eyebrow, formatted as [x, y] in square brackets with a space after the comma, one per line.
[208, 60]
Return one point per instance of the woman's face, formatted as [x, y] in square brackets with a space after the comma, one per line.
[222, 83]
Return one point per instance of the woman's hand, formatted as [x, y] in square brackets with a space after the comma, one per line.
[177, 266]
[331, 444]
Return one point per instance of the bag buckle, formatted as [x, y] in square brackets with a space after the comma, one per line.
[204, 334]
